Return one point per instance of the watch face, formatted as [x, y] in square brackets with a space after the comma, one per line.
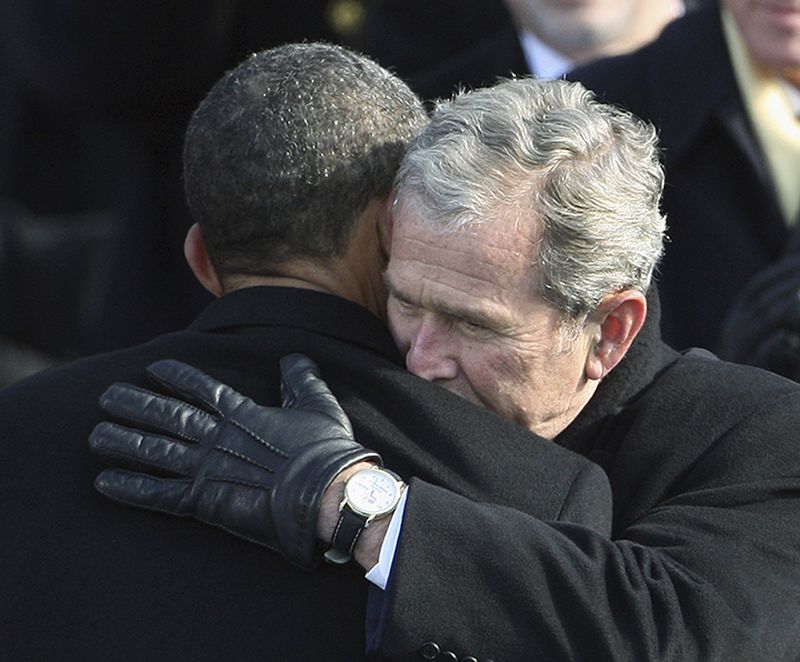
[372, 492]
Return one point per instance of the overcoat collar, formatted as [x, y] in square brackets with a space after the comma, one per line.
[301, 309]
[647, 357]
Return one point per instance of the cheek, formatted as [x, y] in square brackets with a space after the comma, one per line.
[771, 42]
[513, 361]
[500, 382]
[525, 377]
[495, 371]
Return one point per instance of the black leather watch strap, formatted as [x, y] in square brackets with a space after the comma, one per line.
[345, 536]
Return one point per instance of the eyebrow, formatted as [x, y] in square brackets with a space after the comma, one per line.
[394, 291]
[475, 317]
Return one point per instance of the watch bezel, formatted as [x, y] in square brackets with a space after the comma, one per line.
[351, 497]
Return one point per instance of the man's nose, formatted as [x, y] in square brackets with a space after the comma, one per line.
[431, 354]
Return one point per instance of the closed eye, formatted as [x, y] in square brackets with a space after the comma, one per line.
[473, 328]
[402, 306]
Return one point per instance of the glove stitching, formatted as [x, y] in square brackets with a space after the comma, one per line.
[249, 460]
[278, 451]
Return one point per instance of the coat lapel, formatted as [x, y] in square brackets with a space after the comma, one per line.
[693, 87]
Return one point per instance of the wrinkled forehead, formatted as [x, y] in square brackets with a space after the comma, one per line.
[497, 249]
[411, 214]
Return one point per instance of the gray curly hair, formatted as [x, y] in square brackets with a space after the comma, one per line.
[288, 149]
[547, 151]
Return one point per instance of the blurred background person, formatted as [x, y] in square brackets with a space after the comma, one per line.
[721, 85]
[412, 35]
[545, 38]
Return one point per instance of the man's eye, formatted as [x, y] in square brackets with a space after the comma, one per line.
[405, 307]
[473, 328]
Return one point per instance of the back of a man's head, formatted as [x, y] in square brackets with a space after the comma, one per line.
[288, 149]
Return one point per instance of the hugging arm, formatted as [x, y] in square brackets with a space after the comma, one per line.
[212, 454]
[263, 473]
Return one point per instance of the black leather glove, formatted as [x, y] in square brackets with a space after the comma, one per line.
[257, 472]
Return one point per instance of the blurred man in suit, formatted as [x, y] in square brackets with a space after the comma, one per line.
[544, 38]
[721, 85]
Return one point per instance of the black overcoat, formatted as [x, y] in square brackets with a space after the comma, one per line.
[85, 579]
[703, 564]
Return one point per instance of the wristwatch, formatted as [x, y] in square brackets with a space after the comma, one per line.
[369, 494]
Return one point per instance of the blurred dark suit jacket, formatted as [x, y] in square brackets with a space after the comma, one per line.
[724, 220]
[495, 56]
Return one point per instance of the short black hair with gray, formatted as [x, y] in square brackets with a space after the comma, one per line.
[288, 149]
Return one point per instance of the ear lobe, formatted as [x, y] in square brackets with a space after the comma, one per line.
[194, 250]
[621, 317]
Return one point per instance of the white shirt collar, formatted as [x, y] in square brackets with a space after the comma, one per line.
[792, 94]
[543, 61]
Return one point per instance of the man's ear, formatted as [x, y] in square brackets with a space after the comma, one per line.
[620, 317]
[194, 249]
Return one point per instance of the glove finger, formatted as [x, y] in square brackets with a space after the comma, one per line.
[303, 388]
[194, 386]
[115, 443]
[155, 411]
[166, 495]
